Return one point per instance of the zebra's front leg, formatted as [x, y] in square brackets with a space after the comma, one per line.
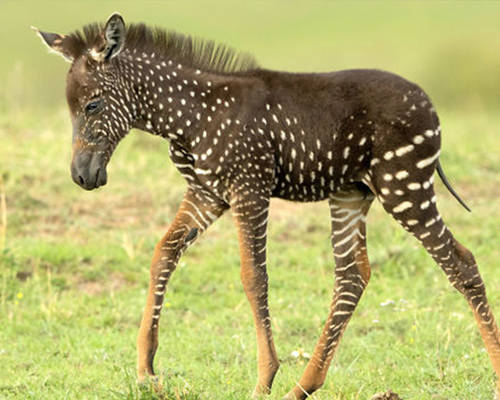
[196, 213]
[352, 273]
[251, 217]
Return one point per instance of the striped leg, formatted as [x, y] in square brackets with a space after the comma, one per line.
[352, 272]
[421, 217]
[251, 217]
[196, 213]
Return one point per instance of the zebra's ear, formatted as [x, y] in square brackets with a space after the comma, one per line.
[55, 42]
[113, 39]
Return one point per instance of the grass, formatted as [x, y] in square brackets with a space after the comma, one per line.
[74, 265]
[74, 273]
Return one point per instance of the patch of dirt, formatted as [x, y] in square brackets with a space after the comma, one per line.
[389, 395]
[92, 288]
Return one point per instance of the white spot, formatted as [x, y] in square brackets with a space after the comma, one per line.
[431, 222]
[424, 235]
[405, 205]
[425, 205]
[428, 161]
[402, 175]
[404, 150]
[418, 139]
[388, 155]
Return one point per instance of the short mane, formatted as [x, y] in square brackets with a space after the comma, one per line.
[197, 53]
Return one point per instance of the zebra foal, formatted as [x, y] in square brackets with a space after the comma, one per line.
[240, 135]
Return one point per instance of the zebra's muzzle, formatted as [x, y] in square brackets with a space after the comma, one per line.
[89, 171]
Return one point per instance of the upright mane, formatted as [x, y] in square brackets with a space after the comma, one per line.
[197, 53]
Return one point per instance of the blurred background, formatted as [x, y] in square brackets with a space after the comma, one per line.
[449, 47]
[74, 265]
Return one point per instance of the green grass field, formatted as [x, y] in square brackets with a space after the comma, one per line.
[74, 265]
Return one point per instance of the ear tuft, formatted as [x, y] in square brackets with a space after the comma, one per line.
[55, 42]
[114, 37]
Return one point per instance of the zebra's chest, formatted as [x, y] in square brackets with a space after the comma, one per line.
[240, 161]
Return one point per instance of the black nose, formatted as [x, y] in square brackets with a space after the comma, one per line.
[88, 173]
[81, 181]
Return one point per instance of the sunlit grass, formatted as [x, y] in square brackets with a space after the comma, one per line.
[74, 274]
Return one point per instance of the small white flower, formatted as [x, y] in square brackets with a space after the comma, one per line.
[300, 353]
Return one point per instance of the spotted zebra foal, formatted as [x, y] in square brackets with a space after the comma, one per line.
[240, 135]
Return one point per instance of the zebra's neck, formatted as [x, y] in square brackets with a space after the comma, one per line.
[182, 104]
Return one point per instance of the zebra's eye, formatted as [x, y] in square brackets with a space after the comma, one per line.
[93, 107]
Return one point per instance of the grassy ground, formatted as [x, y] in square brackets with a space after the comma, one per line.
[74, 266]
[74, 274]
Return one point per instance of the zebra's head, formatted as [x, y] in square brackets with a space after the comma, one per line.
[97, 96]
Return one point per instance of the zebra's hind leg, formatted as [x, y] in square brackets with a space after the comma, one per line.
[352, 272]
[417, 213]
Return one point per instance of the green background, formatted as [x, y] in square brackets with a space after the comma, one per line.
[449, 47]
